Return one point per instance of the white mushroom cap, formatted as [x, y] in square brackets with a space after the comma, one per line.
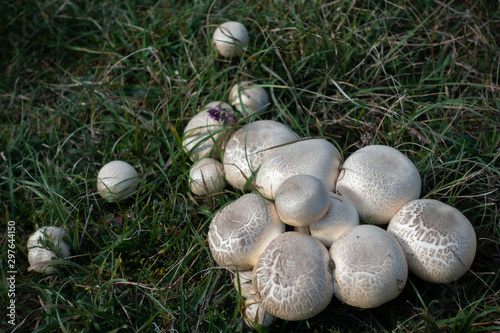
[341, 216]
[44, 245]
[370, 267]
[438, 240]
[229, 37]
[301, 200]
[294, 277]
[255, 313]
[248, 98]
[240, 231]
[206, 177]
[248, 147]
[202, 132]
[379, 180]
[117, 180]
[315, 157]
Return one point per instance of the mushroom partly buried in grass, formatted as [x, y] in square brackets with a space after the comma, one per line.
[45, 244]
[240, 231]
[438, 240]
[229, 38]
[117, 180]
[293, 277]
[370, 267]
[206, 177]
[379, 180]
[248, 98]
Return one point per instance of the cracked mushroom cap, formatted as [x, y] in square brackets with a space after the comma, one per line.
[315, 157]
[117, 180]
[301, 200]
[229, 38]
[341, 216]
[250, 146]
[294, 277]
[206, 177]
[379, 180]
[248, 98]
[370, 267]
[202, 132]
[44, 245]
[438, 240]
[240, 231]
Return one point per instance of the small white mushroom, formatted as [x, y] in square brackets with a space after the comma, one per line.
[117, 180]
[438, 240]
[301, 200]
[229, 39]
[379, 180]
[248, 98]
[294, 277]
[47, 244]
[203, 133]
[341, 216]
[250, 146]
[370, 267]
[240, 231]
[315, 157]
[206, 177]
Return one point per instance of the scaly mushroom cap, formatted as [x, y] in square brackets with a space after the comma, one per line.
[240, 231]
[248, 147]
[379, 180]
[117, 180]
[294, 277]
[370, 267]
[438, 240]
[44, 245]
[229, 37]
[341, 216]
[315, 157]
[248, 98]
[206, 177]
[301, 200]
[202, 132]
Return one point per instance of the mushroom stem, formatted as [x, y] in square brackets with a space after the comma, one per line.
[302, 230]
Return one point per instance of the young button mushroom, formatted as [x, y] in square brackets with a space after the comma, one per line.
[117, 180]
[229, 38]
[315, 157]
[44, 245]
[341, 216]
[301, 200]
[294, 277]
[248, 98]
[379, 180]
[248, 148]
[370, 267]
[240, 231]
[206, 177]
[438, 240]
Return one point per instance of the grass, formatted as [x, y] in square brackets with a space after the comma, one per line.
[84, 84]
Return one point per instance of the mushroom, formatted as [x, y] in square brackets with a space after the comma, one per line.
[438, 240]
[248, 147]
[117, 180]
[293, 277]
[229, 38]
[240, 231]
[341, 216]
[301, 200]
[44, 245]
[248, 98]
[203, 132]
[379, 180]
[315, 157]
[206, 177]
[370, 267]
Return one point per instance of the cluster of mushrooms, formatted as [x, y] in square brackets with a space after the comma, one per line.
[311, 225]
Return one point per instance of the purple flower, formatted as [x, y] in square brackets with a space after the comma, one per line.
[224, 117]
